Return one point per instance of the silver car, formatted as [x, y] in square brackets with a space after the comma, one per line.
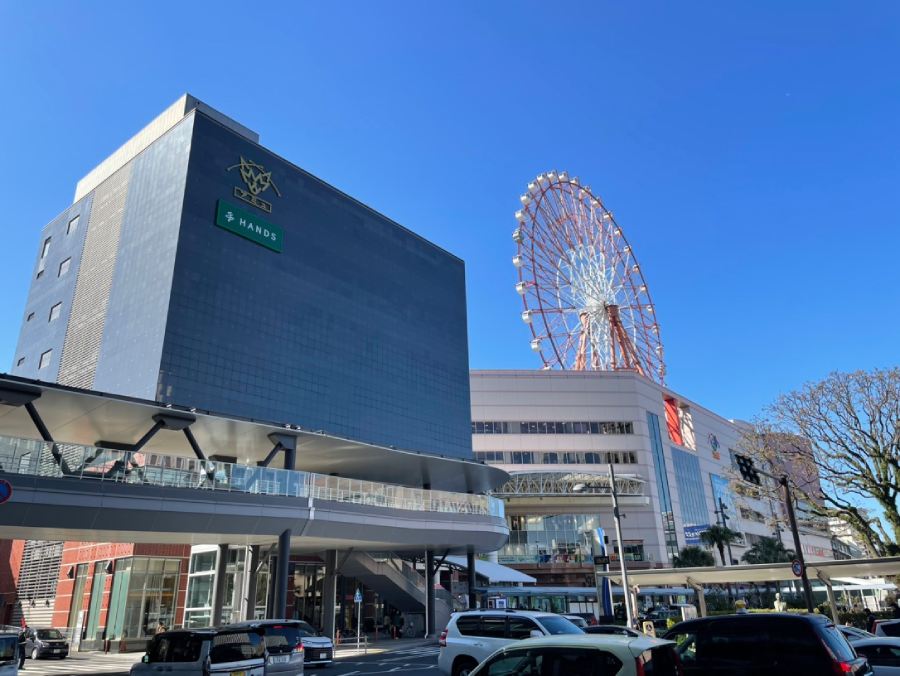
[290, 644]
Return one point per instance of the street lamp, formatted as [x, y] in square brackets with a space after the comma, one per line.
[626, 589]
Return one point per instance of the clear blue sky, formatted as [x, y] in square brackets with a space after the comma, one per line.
[750, 150]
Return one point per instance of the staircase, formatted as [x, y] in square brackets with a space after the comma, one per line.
[395, 581]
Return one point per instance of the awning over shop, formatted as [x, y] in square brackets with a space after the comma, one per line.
[493, 572]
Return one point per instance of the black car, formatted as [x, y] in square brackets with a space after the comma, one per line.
[46, 643]
[779, 644]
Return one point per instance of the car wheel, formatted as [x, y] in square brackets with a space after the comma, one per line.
[464, 666]
[34, 653]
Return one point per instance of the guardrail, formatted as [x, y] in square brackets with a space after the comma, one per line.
[39, 458]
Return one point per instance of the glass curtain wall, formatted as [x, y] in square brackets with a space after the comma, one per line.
[144, 594]
[694, 511]
[561, 538]
[77, 604]
[93, 635]
[201, 588]
[662, 485]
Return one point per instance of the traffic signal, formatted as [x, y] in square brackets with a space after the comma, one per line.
[745, 467]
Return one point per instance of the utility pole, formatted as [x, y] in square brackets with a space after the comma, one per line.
[751, 474]
[721, 511]
[626, 589]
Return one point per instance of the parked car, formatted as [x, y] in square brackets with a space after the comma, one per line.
[584, 655]
[9, 653]
[887, 628]
[473, 635]
[285, 646]
[779, 644]
[46, 643]
[614, 629]
[854, 634]
[577, 620]
[883, 654]
[205, 652]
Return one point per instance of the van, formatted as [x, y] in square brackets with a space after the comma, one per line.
[205, 652]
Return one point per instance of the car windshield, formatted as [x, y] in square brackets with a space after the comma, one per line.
[306, 629]
[234, 646]
[282, 638]
[181, 647]
[890, 628]
[49, 634]
[8, 647]
[837, 643]
[558, 625]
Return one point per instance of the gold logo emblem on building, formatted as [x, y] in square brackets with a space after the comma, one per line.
[257, 180]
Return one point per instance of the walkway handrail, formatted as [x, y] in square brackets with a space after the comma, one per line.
[35, 458]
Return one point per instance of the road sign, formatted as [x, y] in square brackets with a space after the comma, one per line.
[5, 491]
[797, 567]
[357, 598]
[601, 560]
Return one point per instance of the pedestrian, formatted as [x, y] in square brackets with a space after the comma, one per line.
[895, 611]
[387, 626]
[870, 621]
[160, 627]
[23, 636]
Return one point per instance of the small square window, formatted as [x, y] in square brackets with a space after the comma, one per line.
[54, 312]
[29, 317]
[45, 359]
[64, 267]
[73, 225]
[21, 361]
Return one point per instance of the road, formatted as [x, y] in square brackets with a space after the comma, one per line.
[413, 661]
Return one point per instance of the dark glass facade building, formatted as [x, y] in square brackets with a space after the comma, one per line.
[208, 272]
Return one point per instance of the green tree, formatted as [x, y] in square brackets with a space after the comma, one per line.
[719, 537]
[693, 557]
[768, 550]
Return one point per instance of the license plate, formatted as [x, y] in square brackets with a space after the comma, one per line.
[278, 659]
[238, 673]
[323, 656]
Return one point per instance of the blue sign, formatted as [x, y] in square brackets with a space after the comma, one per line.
[5, 491]
[357, 598]
[692, 533]
[797, 567]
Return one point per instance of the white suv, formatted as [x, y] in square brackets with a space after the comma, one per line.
[472, 635]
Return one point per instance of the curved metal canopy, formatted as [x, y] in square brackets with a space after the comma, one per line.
[86, 417]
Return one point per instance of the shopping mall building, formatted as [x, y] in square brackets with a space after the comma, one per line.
[237, 391]
[555, 433]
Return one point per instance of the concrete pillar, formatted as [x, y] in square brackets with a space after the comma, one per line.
[252, 561]
[429, 593]
[329, 590]
[281, 574]
[219, 589]
[829, 590]
[470, 566]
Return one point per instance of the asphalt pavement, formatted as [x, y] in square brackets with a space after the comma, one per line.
[410, 658]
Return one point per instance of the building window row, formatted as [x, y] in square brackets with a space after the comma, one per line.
[558, 457]
[551, 427]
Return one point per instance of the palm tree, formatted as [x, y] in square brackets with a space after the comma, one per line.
[768, 550]
[719, 537]
[693, 557]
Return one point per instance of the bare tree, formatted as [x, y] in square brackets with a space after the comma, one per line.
[838, 441]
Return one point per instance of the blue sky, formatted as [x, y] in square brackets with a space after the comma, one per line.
[750, 150]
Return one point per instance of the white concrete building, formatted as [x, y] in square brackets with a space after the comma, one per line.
[555, 432]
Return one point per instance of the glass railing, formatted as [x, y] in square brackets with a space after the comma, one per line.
[40, 458]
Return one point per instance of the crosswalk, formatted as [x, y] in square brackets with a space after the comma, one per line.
[81, 664]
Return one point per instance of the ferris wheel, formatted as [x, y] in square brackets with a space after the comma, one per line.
[585, 299]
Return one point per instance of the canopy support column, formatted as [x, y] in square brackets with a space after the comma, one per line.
[701, 594]
[828, 590]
